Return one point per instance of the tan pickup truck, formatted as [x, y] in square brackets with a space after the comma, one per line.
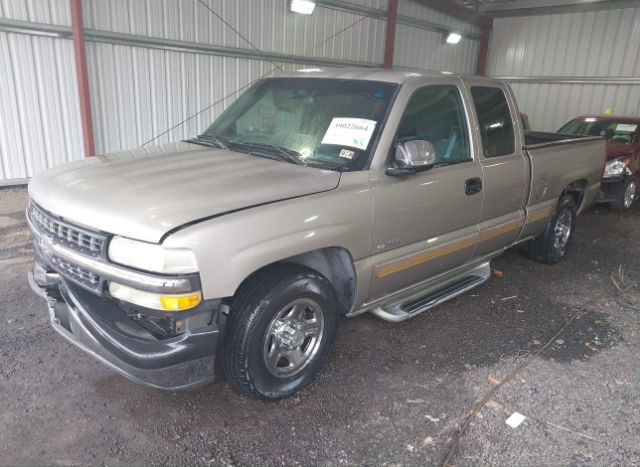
[315, 195]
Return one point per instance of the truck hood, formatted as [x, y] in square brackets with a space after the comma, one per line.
[618, 149]
[146, 192]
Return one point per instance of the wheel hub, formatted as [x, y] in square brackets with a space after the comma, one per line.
[293, 337]
[562, 230]
[629, 194]
[289, 333]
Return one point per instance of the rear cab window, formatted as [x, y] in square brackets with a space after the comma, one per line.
[495, 121]
[436, 113]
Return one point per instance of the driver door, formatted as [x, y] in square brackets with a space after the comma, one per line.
[427, 223]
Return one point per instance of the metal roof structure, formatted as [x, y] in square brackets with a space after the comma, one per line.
[501, 8]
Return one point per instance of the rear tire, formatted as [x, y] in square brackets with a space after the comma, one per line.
[624, 194]
[280, 331]
[552, 246]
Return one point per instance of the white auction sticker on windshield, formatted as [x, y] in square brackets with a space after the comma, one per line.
[626, 127]
[352, 132]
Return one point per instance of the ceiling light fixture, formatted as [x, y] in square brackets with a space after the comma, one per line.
[304, 7]
[453, 38]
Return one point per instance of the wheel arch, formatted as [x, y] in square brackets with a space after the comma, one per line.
[577, 191]
[336, 264]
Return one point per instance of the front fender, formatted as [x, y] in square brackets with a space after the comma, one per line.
[231, 247]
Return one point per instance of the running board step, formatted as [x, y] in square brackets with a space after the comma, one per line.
[415, 306]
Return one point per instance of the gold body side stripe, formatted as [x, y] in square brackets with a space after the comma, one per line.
[538, 216]
[383, 271]
[503, 229]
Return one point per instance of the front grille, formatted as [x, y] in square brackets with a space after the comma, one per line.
[74, 237]
[77, 274]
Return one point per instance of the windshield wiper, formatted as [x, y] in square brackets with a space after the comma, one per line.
[214, 141]
[209, 140]
[287, 155]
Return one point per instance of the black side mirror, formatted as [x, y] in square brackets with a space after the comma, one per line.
[412, 157]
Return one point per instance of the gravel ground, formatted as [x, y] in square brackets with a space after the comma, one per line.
[392, 394]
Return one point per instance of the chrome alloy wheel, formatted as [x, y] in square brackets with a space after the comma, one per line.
[562, 230]
[629, 194]
[293, 337]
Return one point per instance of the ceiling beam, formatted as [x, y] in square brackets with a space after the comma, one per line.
[549, 7]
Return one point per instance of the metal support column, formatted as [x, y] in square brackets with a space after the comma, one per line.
[483, 51]
[77, 28]
[392, 18]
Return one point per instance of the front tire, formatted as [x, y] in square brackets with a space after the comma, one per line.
[624, 194]
[280, 331]
[552, 246]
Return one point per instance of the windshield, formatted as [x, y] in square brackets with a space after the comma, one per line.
[328, 123]
[619, 132]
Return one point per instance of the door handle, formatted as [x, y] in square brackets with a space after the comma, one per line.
[473, 186]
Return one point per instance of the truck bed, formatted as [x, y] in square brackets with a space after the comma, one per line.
[559, 160]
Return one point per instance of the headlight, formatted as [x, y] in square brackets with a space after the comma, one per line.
[154, 300]
[615, 168]
[151, 257]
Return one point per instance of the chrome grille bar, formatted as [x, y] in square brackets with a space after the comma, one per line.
[89, 270]
[82, 275]
[72, 236]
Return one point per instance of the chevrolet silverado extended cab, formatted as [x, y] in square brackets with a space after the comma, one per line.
[316, 194]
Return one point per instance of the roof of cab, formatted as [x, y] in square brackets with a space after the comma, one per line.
[394, 75]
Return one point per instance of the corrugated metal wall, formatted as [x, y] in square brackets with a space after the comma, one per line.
[599, 44]
[421, 48]
[37, 11]
[268, 24]
[139, 92]
[38, 95]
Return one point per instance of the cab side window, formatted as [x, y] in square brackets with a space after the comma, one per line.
[436, 114]
[496, 124]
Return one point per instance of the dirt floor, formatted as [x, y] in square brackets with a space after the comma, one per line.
[392, 394]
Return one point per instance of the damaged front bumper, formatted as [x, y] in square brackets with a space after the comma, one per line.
[99, 326]
[609, 188]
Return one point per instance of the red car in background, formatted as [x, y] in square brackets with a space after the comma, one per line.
[621, 176]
